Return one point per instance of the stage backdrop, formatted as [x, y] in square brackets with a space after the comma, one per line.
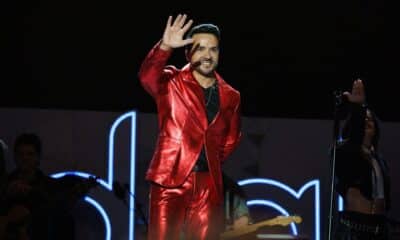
[283, 165]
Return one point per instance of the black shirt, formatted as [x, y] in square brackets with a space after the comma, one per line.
[211, 97]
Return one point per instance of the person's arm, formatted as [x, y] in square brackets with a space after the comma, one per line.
[242, 213]
[152, 73]
[348, 150]
[234, 134]
[356, 132]
[357, 112]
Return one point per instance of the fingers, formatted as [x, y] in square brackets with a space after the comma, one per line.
[177, 20]
[357, 94]
[182, 21]
[358, 87]
[358, 83]
[187, 25]
[188, 41]
[169, 22]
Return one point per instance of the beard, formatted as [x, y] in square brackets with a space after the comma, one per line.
[203, 70]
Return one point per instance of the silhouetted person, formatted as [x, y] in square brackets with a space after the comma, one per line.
[362, 174]
[3, 173]
[40, 205]
[27, 190]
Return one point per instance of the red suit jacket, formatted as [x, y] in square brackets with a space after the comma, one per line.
[183, 126]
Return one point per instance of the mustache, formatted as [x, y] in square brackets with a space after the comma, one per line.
[198, 63]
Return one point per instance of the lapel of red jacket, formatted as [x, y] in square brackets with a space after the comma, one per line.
[195, 96]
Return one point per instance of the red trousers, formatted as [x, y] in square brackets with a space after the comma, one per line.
[186, 212]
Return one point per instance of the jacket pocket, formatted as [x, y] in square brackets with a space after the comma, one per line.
[166, 153]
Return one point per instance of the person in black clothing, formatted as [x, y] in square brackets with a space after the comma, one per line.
[2, 159]
[362, 176]
[3, 172]
[38, 206]
[28, 191]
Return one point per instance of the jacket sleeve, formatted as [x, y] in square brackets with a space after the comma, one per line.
[357, 114]
[153, 74]
[347, 166]
[234, 134]
[349, 162]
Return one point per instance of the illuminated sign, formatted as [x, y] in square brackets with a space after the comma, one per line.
[292, 192]
[95, 199]
[109, 217]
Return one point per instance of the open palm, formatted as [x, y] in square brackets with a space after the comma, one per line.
[174, 32]
[357, 94]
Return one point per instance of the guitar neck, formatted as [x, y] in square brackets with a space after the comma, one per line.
[282, 221]
[247, 229]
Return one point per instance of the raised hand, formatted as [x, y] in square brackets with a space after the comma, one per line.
[357, 94]
[174, 33]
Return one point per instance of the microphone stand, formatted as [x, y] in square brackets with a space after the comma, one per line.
[121, 195]
[138, 207]
[336, 123]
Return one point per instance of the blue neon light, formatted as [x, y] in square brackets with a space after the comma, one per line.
[110, 177]
[275, 206]
[132, 178]
[82, 175]
[297, 195]
[340, 203]
[103, 214]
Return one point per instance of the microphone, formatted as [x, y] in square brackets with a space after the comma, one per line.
[340, 98]
[342, 105]
[119, 191]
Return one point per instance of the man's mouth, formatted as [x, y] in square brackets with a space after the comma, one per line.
[206, 62]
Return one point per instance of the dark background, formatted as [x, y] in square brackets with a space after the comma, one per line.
[285, 56]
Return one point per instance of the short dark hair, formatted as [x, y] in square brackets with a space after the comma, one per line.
[205, 28]
[28, 139]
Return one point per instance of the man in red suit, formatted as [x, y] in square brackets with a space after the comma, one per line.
[199, 126]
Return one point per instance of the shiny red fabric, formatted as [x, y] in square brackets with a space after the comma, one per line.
[185, 212]
[183, 126]
[181, 201]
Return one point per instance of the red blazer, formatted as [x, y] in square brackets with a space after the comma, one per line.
[183, 126]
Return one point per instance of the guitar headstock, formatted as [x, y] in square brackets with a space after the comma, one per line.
[286, 220]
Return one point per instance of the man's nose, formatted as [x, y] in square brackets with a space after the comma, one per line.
[207, 54]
